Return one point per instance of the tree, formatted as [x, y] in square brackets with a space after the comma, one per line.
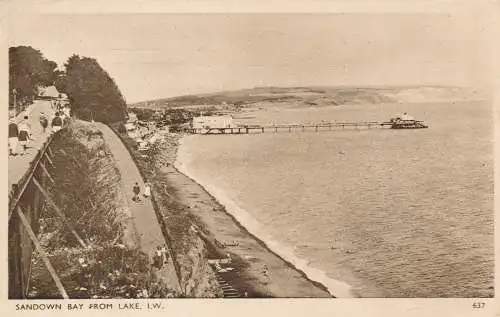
[92, 92]
[28, 70]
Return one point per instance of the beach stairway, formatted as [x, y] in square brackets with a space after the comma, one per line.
[228, 290]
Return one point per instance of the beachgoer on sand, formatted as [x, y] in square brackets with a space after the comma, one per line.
[147, 190]
[24, 134]
[136, 190]
[13, 137]
[265, 271]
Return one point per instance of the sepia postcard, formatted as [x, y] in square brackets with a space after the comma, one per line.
[333, 158]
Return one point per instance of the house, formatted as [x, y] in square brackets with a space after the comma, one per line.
[132, 117]
[48, 93]
[212, 122]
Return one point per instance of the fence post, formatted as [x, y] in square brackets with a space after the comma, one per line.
[44, 256]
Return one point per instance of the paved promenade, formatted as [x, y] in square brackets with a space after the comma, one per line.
[143, 226]
[18, 165]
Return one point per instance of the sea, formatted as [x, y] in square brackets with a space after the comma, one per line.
[365, 212]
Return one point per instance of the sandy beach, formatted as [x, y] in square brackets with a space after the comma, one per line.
[257, 270]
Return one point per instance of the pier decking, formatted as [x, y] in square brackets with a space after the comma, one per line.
[247, 129]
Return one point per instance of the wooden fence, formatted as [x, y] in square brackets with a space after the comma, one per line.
[25, 203]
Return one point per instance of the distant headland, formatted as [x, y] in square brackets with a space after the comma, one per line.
[320, 96]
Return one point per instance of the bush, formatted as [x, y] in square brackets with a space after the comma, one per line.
[121, 128]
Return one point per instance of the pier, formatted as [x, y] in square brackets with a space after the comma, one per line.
[316, 127]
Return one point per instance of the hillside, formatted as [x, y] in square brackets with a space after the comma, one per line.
[318, 96]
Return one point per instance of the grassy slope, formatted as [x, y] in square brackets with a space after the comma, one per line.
[316, 95]
[86, 189]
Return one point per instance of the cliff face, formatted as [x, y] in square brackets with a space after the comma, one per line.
[434, 94]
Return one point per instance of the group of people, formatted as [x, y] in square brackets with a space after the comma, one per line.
[137, 190]
[160, 256]
[20, 133]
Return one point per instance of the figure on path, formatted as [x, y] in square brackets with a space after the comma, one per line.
[158, 258]
[136, 191]
[44, 122]
[164, 254]
[147, 190]
[13, 137]
[24, 134]
[57, 123]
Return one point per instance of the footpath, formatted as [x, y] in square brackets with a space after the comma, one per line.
[19, 165]
[143, 223]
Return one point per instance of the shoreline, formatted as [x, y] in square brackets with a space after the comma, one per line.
[248, 224]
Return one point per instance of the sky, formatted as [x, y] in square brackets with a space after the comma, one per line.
[163, 55]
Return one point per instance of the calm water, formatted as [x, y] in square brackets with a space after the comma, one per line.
[392, 213]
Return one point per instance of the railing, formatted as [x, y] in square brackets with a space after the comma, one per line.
[25, 199]
[17, 190]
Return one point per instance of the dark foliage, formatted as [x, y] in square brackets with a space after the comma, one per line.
[122, 128]
[28, 70]
[92, 92]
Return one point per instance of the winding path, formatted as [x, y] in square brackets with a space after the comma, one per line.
[143, 227]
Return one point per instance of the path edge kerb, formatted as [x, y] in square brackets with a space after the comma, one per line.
[159, 217]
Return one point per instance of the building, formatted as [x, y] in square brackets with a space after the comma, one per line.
[212, 122]
[132, 117]
[49, 93]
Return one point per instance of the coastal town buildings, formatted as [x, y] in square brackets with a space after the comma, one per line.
[212, 122]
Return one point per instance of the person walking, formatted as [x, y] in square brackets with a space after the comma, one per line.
[136, 191]
[24, 134]
[56, 123]
[158, 258]
[147, 190]
[13, 137]
[164, 254]
[44, 122]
